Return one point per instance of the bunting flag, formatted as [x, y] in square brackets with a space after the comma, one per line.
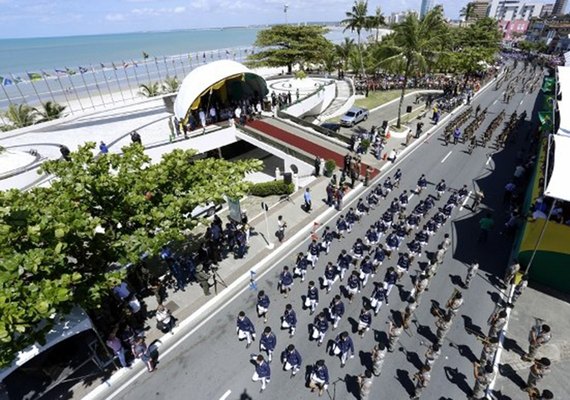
[45, 74]
[60, 72]
[69, 71]
[126, 65]
[6, 81]
[83, 70]
[114, 66]
[145, 55]
[102, 66]
[34, 76]
[134, 63]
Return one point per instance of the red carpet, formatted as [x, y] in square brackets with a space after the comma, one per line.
[303, 144]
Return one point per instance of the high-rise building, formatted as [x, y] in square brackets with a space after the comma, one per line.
[427, 5]
[547, 10]
[480, 8]
[511, 10]
[559, 7]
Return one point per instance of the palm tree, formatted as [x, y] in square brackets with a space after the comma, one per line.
[50, 111]
[356, 20]
[170, 85]
[376, 21]
[20, 115]
[150, 90]
[468, 12]
[329, 60]
[416, 44]
[344, 50]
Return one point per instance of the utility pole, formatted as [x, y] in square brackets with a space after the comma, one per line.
[285, 8]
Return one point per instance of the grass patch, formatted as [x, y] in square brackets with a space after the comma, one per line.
[378, 98]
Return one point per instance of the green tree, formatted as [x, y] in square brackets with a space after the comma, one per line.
[415, 45]
[376, 22]
[344, 50]
[20, 115]
[150, 89]
[357, 20]
[170, 84]
[289, 45]
[329, 60]
[58, 244]
[50, 110]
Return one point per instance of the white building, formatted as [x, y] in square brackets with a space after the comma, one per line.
[511, 10]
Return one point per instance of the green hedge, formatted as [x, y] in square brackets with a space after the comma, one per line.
[271, 188]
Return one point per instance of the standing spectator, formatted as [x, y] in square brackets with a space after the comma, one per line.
[267, 342]
[262, 306]
[103, 148]
[245, 329]
[142, 352]
[262, 371]
[164, 319]
[114, 343]
[307, 198]
[281, 225]
[317, 165]
[291, 359]
[289, 320]
[136, 138]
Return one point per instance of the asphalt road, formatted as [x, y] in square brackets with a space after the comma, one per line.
[211, 364]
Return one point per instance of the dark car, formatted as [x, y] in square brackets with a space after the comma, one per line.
[331, 126]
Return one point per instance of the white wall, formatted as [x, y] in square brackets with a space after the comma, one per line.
[313, 104]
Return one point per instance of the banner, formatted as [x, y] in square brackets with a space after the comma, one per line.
[6, 81]
[34, 76]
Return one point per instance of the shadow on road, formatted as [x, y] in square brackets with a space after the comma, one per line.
[458, 379]
[404, 379]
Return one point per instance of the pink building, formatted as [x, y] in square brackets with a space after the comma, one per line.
[513, 29]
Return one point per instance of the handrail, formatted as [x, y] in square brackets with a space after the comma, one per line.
[321, 88]
[318, 128]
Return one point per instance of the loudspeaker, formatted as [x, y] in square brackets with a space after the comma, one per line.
[409, 109]
[287, 178]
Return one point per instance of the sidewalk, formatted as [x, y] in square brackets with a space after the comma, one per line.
[554, 309]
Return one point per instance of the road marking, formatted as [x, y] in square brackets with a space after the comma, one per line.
[445, 158]
[465, 201]
[412, 195]
[489, 160]
[226, 395]
[495, 102]
[522, 101]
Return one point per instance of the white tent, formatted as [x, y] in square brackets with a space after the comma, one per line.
[559, 183]
[75, 322]
[564, 104]
[210, 77]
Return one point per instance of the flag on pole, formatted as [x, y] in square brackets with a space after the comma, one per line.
[114, 66]
[126, 65]
[34, 76]
[83, 70]
[45, 74]
[145, 55]
[60, 72]
[6, 81]
[102, 66]
[69, 71]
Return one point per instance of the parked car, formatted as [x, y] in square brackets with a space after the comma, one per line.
[354, 116]
[331, 126]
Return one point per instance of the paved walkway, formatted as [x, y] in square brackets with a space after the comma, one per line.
[343, 95]
[554, 309]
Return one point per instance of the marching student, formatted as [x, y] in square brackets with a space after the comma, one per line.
[342, 346]
[289, 320]
[291, 359]
[364, 321]
[301, 266]
[319, 377]
[285, 281]
[312, 299]
[262, 305]
[353, 285]
[245, 329]
[262, 371]
[320, 328]
[267, 342]
[378, 297]
[313, 253]
[336, 311]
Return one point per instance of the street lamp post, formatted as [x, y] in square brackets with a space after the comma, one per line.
[285, 8]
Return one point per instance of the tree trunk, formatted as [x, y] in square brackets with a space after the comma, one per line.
[360, 54]
[398, 124]
[289, 68]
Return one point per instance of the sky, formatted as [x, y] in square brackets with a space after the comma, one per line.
[41, 18]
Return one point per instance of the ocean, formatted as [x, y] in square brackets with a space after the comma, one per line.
[76, 67]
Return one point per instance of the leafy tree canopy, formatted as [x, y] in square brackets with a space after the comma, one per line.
[290, 44]
[59, 244]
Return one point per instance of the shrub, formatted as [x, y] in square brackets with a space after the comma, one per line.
[300, 74]
[330, 166]
[264, 189]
